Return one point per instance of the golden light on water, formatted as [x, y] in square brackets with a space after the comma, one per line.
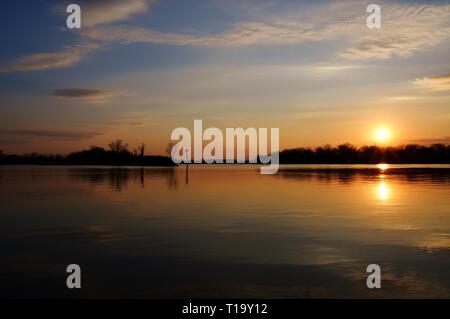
[383, 191]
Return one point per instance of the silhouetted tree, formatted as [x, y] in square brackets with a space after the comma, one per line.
[96, 149]
[118, 146]
[141, 149]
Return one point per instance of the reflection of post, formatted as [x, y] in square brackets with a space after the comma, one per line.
[142, 177]
[187, 166]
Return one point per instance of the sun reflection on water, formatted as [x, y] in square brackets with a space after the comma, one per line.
[383, 191]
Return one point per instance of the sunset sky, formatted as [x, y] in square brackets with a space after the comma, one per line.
[138, 69]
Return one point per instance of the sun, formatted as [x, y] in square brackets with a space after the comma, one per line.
[382, 134]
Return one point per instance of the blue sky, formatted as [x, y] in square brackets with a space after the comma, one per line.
[138, 69]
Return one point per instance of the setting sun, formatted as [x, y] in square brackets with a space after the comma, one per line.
[382, 134]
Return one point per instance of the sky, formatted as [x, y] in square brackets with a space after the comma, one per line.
[138, 69]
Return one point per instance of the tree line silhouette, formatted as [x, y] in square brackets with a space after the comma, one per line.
[349, 154]
[118, 153]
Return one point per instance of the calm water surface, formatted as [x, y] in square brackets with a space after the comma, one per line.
[226, 231]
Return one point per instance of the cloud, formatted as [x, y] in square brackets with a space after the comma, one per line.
[405, 30]
[135, 123]
[127, 34]
[62, 135]
[405, 98]
[443, 140]
[68, 57]
[335, 68]
[88, 94]
[244, 34]
[326, 22]
[100, 12]
[436, 83]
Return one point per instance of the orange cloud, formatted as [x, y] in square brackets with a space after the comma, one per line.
[436, 83]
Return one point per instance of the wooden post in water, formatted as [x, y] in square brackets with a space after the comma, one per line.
[187, 166]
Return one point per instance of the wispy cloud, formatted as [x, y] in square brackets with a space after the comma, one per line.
[335, 68]
[243, 34]
[406, 98]
[62, 135]
[436, 83]
[443, 140]
[406, 29]
[68, 57]
[86, 94]
[94, 13]
[99, 12]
